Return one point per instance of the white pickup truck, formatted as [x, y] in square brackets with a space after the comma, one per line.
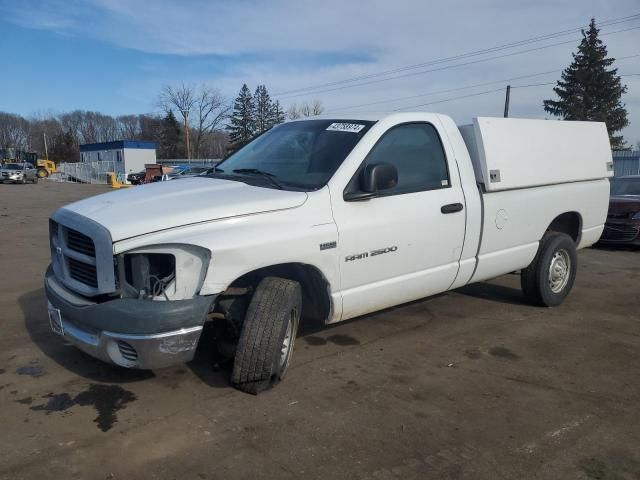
[325, 219]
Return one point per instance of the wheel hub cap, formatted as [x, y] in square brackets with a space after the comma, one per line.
[559, 271]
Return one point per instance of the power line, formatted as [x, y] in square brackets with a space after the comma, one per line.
[449, 90]
[506, 46]
[446, 67]
[487, 92]
[484, 84]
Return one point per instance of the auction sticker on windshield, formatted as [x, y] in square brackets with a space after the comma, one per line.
[345, 127]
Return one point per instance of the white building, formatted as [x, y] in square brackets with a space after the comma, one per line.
[128, 156]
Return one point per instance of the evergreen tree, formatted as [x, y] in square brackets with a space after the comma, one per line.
[242, 125]
[589, 90]
[170, 136]
[278, 115]
[263, 113]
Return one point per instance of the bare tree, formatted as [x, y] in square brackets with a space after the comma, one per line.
[14, 131]
[211, 110]
[183, 99]
[293, 113]
[305, 110]
[128, 127]
[317, 108]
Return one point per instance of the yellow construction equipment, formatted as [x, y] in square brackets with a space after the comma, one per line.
[112, 180]
[45, 168]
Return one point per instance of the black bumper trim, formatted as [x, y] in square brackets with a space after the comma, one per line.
[132, 316]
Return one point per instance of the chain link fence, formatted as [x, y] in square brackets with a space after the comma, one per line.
[85, 172]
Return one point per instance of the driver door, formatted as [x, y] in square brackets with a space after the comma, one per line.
[406, 242]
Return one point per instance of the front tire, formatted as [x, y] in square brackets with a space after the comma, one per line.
[268, 334]
[42, 173]
[550, 277]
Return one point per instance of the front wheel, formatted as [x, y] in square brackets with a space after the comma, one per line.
[268, 334]
[550, 277]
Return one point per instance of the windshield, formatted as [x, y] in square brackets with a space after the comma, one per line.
[625, 186]
[13, 166]
[298, 155]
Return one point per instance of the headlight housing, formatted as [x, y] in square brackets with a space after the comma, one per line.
[163, 272]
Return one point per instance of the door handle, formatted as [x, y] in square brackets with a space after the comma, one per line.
[452, 208]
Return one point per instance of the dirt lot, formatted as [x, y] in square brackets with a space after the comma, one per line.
[471, 384]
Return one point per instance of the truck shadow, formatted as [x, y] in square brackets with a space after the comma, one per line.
[208, 365]
[493, 292]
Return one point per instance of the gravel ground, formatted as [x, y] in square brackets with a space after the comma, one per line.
[470, 384]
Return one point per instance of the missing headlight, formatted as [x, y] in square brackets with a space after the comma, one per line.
[149, 273]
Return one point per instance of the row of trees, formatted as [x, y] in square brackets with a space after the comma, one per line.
[65, 132]
[196, 122]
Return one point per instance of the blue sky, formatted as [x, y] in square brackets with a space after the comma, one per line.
[115, 55]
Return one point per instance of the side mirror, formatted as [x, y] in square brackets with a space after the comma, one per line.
[374, 177]
[379, 176]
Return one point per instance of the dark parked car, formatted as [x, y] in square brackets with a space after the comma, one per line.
[136, 178]
[623, 219]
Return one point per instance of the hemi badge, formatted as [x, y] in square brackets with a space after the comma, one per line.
[328, 245]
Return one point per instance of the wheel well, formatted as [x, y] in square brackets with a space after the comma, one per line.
[316, 299]
[569, 223]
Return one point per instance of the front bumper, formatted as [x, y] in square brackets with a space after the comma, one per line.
[131, 333]
[13, 179]
[621, 232]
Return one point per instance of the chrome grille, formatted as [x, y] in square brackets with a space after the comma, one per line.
[80, 243]
[83, 272]
[81, 254]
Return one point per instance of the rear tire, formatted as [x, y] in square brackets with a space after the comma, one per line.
[550, 277]
[35, 179]
[42, 173]
[268, 334]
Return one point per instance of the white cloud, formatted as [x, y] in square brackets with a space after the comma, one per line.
[390, 33]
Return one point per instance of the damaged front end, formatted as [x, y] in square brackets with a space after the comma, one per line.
[138, 309]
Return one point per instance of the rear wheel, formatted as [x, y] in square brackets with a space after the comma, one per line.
[42, 173]
[35, 179]
[550, 277]
[268, 335]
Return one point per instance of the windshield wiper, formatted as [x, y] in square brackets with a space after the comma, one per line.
[254, 171]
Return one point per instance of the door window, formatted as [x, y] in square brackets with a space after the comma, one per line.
[416, 151]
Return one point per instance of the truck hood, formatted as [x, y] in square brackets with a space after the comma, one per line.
[159, 206]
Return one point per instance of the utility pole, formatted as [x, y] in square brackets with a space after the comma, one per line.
[506, 101]
[46, 151]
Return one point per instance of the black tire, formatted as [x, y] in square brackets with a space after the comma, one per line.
[258, 364]
[539, 286]
[42, 173]
[35, 179]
